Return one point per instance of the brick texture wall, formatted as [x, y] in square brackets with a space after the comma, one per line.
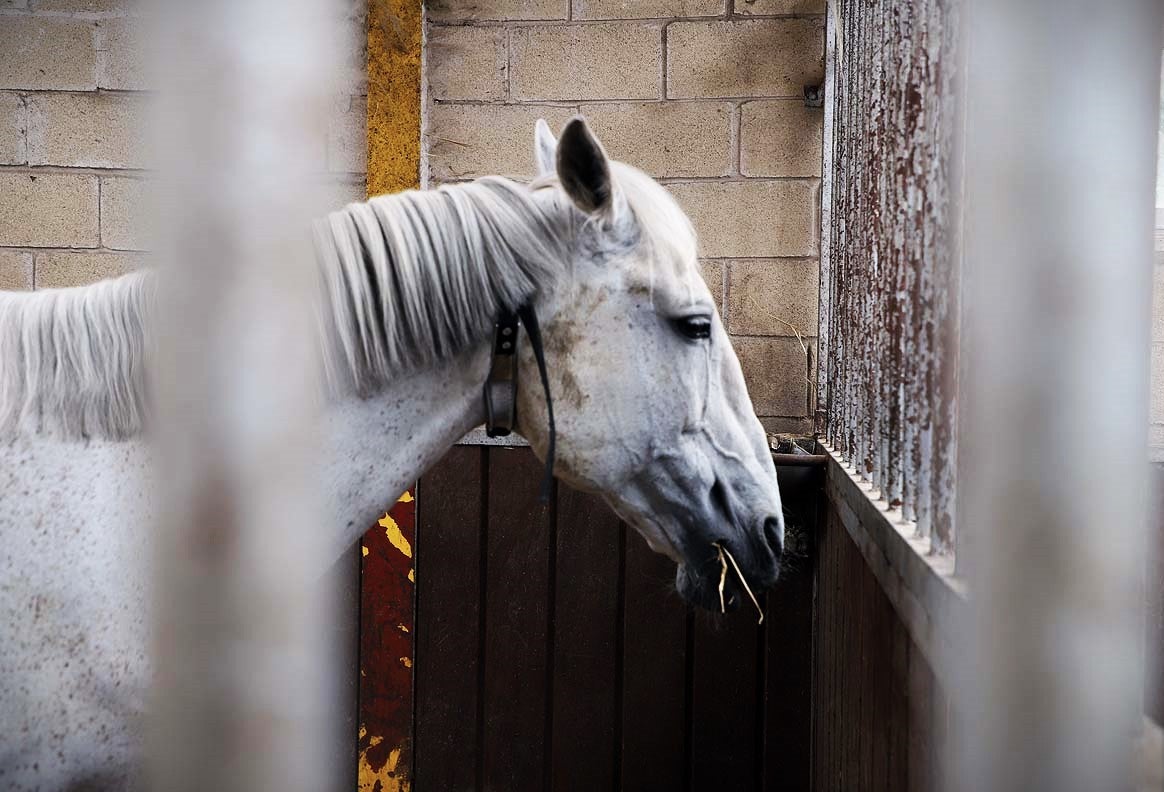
[705, 95]
[74, 157]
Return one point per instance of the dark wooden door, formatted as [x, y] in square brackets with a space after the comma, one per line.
[552, 651]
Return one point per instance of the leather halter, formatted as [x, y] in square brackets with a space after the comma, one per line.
[501, 384]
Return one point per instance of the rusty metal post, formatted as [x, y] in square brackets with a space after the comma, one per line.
[890, 319]
[1061, 124]
[240, 698]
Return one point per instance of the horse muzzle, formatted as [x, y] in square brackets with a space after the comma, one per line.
[721, 573]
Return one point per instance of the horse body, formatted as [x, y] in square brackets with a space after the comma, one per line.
[77, 519]
[651, 409]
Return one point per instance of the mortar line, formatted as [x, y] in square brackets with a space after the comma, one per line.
[516, 23]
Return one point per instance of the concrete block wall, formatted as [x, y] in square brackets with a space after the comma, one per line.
[75, 88]
[705, 95]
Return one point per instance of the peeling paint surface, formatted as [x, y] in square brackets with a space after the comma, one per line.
[394, 41]
[387, 577]
[386, 619]
[889, 292]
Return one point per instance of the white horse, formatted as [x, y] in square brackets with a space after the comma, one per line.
[652, 414]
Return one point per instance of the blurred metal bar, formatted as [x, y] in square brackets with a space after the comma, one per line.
[240, 699]
[1062, 116]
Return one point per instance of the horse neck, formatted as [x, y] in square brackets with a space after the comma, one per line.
[376, 447]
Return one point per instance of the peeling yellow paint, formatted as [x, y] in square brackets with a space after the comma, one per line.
[394, 35]
[364, 549]
[403, 627]
[392, 531]
[394, 29]
[412, 576]
[406, 662]
[385, 779]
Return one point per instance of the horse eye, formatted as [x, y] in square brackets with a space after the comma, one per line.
[694, 327]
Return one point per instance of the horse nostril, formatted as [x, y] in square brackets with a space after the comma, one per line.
[772, 532]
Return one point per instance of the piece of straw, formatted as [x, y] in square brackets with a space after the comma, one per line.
[724, 551]
[722, 577]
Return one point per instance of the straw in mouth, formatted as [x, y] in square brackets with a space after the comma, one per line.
[723, 551]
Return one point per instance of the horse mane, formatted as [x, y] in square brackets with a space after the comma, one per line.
[72, 361]
[407, 280]
[416, 277]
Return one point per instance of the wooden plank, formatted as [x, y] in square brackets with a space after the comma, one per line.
[394, 36]
[654, 672]
[518, 564]
[1154, 610]
[922, 724]
[787, 730]
[343, 583]
[899, 711]
[393, 65]
[386, 625]
[448, 631]
[725, 701]
[824, 732]
[586, 641]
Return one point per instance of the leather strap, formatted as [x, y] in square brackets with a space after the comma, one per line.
[501, 385]
[529, 318]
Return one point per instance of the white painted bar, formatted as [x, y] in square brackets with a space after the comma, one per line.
[240, 700]
[1060, 136]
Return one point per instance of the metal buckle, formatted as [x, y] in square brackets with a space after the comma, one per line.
[501, 385]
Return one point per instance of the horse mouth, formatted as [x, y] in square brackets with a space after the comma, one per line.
[719, 585]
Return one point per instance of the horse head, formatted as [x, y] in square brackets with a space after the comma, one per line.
[651, 408]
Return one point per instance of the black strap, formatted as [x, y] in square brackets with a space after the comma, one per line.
[501, 384]
[529, 318]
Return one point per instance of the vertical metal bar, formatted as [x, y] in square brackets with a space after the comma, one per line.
[1064, 108]
[894, 364]
[825, 341]
[903, 42]
[943, 439]
[849, 359]
[883, 322]
[921, 179]
[239, 699]
[867, 394]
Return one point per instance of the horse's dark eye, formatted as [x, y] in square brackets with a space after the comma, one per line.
[694, 327]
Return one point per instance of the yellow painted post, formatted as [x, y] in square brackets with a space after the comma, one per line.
[387, 579]
[394, 40]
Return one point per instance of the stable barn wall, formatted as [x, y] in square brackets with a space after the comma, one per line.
[75, 88]
[705, 95]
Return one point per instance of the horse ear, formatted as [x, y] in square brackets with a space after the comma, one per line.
[545, 147]
[583, 168]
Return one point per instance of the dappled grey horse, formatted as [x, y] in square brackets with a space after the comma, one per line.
[650, 405]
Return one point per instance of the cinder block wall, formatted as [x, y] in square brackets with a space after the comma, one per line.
[703, 94]
[74, 99]
[706, 95]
